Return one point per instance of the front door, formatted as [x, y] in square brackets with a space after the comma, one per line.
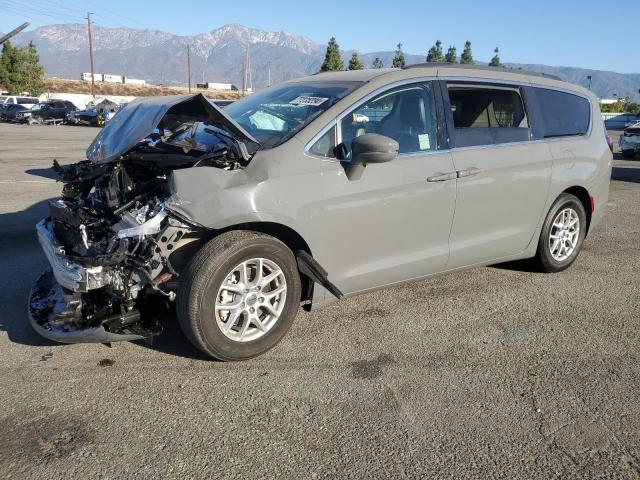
[392, 224]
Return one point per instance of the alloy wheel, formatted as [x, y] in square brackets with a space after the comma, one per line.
[564, 234]
[251, 299]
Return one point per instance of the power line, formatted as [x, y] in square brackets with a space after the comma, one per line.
[105, 12]
[24, 9]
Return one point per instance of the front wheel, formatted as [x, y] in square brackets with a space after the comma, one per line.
[239, 295]
[562, 234]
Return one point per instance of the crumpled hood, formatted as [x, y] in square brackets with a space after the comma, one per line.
[138, 119]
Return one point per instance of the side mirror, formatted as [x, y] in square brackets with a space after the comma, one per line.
[373, 148]
[370, 148]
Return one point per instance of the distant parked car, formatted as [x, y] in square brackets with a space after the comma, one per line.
[18, 100]
[630, 141]
[106, 116]
[48, 112]
[8, 112]
[89, 116]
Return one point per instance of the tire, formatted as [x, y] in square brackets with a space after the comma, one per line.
[628, 154]
[550, 259]
[199, 295]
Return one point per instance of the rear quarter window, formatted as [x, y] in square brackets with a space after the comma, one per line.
[562, 114]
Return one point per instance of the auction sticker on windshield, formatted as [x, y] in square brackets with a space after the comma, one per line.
[302, 100]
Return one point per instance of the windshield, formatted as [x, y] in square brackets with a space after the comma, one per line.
[275, 115]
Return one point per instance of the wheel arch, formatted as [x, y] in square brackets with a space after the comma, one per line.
[583, 195]
[287, 235]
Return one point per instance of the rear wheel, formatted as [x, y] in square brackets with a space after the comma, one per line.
[239, 295]
[562, 234]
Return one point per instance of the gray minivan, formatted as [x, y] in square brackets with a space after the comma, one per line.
[311, 190]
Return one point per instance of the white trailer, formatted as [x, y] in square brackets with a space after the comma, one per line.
[112, 78]
[97, 77]
[220, 86]
[134, 81]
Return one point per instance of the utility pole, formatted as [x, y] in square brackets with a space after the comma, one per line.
[13, 32]
[249, 69]
[244, 72]
[269, 71]
[93, 86]
[589, 77]
[189, 66]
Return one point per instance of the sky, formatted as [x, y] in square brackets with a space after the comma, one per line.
[579, 33]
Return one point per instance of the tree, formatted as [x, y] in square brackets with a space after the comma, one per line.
[355, 63]
[495, 61]
[620, 106]
[435, 53]
[398, 60]
[10, 68]
[332, 59]
[377, 63]
[20, 70]
[452, 55]
[467, 57]
[32, 71]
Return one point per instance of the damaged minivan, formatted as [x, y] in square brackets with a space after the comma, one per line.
[309, 191]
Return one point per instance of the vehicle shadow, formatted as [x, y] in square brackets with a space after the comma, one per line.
[22, 262]
[525, 265]
[172, 341]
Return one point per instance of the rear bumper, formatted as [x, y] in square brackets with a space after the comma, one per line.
[54, 313]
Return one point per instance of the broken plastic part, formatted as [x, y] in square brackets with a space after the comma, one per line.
[57, 318]
[309, 267]
[150, 227]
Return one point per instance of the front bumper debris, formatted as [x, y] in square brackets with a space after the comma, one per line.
[55, 313]
[69, 274]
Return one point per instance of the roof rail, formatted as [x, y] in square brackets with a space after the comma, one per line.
[480, 67]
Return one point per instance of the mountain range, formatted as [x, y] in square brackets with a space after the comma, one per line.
[219, 56]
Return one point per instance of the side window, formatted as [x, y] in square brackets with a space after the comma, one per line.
[407, 114]
[563, 114]
[325, 146]
[486, 116]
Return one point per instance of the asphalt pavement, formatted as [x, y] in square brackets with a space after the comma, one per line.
[495, 372]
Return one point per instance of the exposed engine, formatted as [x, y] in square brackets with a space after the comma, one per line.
[111, 239]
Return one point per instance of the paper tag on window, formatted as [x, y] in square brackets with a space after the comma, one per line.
[423, 141]
[302, 100]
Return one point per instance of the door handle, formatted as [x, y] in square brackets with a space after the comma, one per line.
[442, 177]
[469, 172]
